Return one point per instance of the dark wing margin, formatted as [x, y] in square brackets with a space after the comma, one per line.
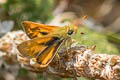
[47, 55]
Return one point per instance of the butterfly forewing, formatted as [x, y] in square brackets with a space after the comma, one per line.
[34, 30]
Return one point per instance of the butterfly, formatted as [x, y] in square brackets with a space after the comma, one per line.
[45, 41]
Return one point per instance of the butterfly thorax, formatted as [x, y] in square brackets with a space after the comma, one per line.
[64, 32]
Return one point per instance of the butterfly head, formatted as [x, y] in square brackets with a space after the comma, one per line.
[71, 29]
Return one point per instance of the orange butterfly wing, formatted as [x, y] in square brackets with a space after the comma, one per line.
[43, 46]
[32, 48]
[43, 49]
[34, 30]
[47, 55]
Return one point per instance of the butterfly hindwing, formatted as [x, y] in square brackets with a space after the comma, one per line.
[31, 48]
[46, 56]
[34, 30]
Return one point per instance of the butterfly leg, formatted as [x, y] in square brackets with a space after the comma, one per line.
[57, 55]
[68, 44]
[71, 41]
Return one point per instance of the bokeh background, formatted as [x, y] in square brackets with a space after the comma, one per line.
[101, 28]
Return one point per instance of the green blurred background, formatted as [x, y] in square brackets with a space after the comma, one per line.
[101, 28]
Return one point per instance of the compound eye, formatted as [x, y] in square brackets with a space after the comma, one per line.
[70, 32]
